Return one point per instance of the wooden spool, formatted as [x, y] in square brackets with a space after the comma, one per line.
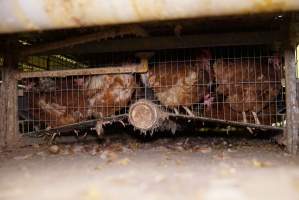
[144, 115]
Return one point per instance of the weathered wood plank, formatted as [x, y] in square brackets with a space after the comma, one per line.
[9, 131]
[291, 100]
[130, 68]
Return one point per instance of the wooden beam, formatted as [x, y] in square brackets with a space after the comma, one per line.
[173, 42]
[9, 129]
[129, 68]
[294, 28]
[291, 100]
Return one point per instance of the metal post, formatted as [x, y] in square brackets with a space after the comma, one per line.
[9, 133]
[291, 100]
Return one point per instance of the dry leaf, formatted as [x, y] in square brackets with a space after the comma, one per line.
[231, 150]
[92, 194]
[99, 167]
[117, 147]
[54, 149]
[77, 148]
[124, 161]
[41, 153]
[94, 150]
[227, 171]
[36, 146]
[178, 162]
[134, 146]
[260, 164]
[109, 156]
[205, 150]
[24, 157]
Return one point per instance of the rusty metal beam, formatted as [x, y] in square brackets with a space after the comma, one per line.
[156, 43]
[29, 15]
[129, 68]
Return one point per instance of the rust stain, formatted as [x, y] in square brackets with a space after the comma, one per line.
[136, 8]
[268, 5]
[264, 6]
[61, 12]
[23, 19]
[144, 12]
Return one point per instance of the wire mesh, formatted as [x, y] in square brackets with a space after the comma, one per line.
[237, 84]
[1, 78]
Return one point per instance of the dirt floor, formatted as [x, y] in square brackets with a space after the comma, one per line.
[202, 167]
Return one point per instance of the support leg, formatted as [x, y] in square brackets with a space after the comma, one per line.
[9, 129]
[291, 131]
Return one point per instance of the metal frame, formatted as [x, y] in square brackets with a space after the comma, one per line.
[7, 124]
[130, 69]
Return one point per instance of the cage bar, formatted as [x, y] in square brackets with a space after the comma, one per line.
[219, 71]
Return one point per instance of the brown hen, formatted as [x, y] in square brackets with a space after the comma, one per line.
[181, 83]
[66, 102]
[248, 84]
[249, 88]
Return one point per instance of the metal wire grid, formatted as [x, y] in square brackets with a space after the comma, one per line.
[254, 87]
[1, 78]
[57, 102]
[187, 81]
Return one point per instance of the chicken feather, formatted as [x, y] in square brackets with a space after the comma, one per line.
[184, 84]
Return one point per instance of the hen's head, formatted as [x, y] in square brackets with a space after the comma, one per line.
[204, 56]
[276, 61]
[79, 82]
[208, 100]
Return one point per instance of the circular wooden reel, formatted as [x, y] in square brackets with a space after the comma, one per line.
[144, 115]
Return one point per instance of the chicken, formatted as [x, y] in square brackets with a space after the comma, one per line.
[52, 84]
[58, 102]
[107, 94]
[60, 109]
[53, 106]
[247, 86]
[181, 83]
